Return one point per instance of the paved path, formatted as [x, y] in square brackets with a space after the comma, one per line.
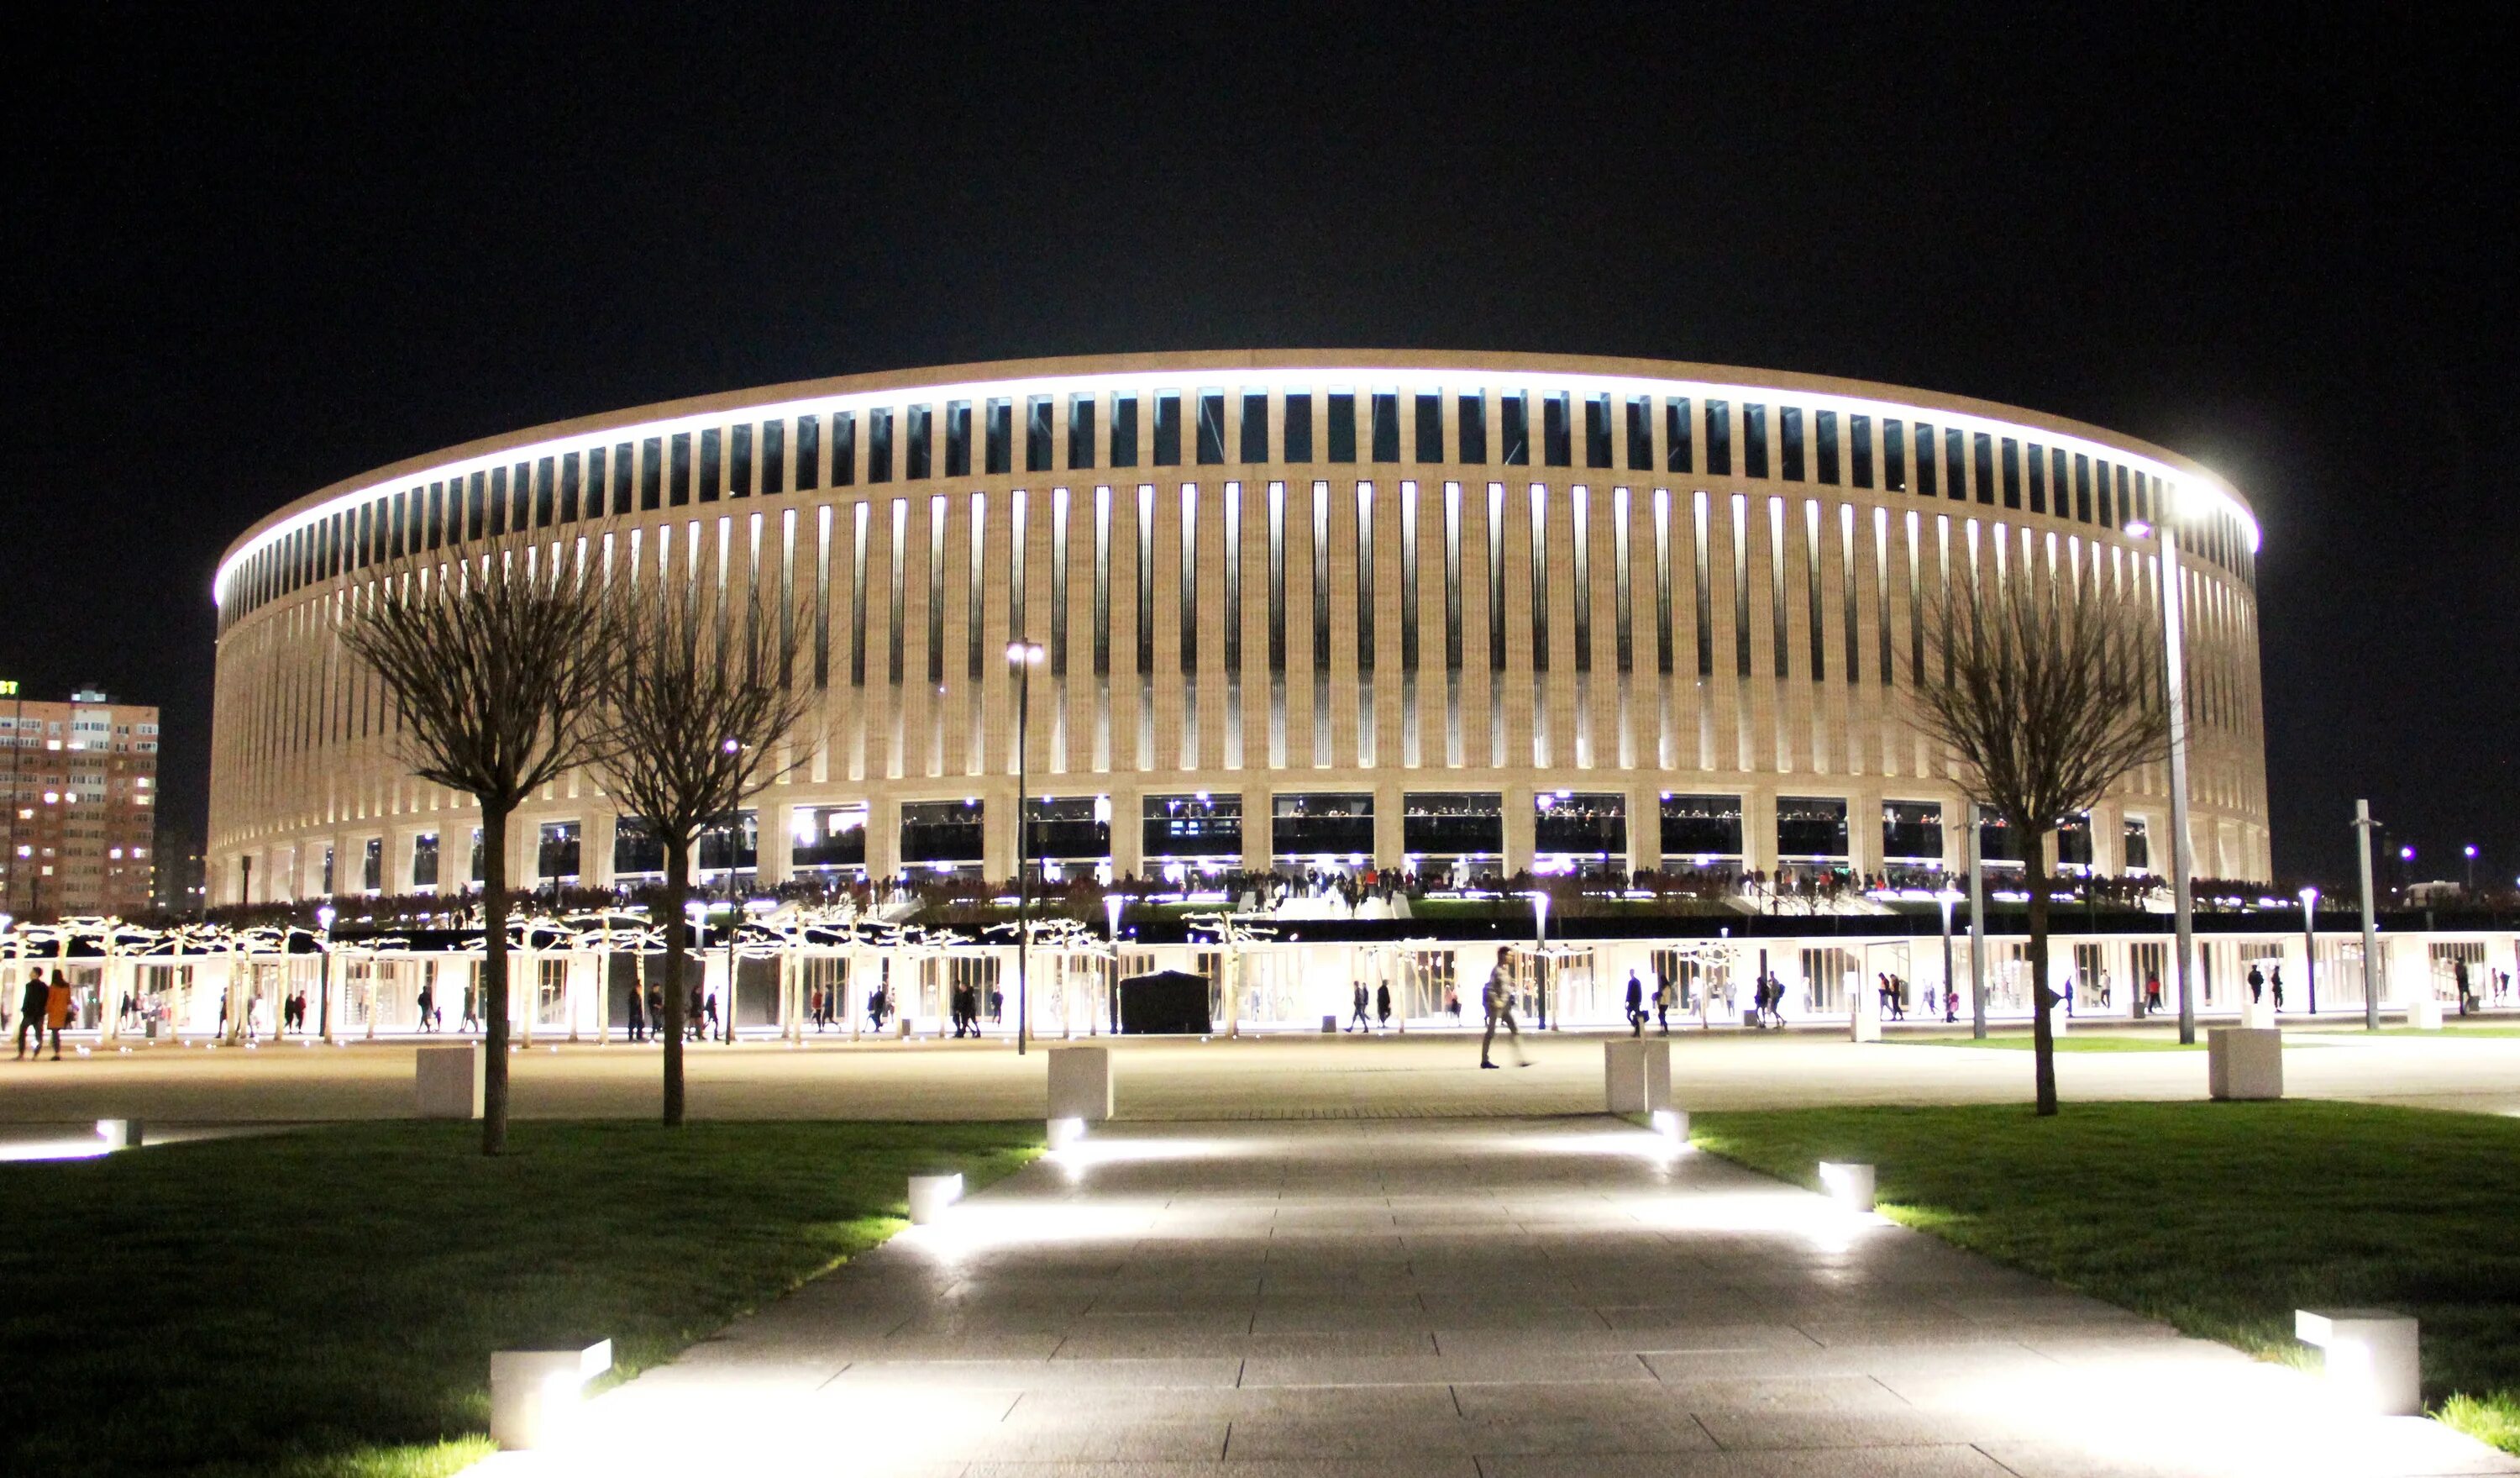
[1473, 1300]
[1267, 1077]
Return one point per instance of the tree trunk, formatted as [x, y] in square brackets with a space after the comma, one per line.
[678, 859]
[494, 980]
[2042, 1030]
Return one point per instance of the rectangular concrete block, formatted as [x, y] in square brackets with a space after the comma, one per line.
[2244, 1062]
[2424, 1014]
[1636, 1076]
[448, 1081]
[118, 1134]
[1080, 1083]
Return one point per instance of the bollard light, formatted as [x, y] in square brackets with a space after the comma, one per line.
[1847, 1183]
[1064, 1132]
[930, 1195]
[535, 1394]
[1672, 1125]
[118, 1134]
[2372, 1356]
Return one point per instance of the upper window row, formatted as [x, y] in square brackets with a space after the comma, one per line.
[1637, 432]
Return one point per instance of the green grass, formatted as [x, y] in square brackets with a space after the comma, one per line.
[2219, 1218]
[324, 1303]
[2070, 1042]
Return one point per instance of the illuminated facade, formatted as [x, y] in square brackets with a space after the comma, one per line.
[1464, 613]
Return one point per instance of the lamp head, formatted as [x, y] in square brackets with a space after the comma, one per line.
[2308, 896]
[325, 915]
[2138, 529]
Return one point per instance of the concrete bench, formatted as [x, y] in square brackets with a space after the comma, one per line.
[2244, 1062]
[448, 1081]
[1636, 1076]
[1080, 1083]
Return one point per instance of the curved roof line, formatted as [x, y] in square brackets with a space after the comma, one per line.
[1279, 367]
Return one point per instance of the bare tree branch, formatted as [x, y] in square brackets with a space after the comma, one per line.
[2041, 697]
[489, 652]
[697, 718]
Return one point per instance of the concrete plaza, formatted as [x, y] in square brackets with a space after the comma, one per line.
[1487, 1298]
[1282, 1077]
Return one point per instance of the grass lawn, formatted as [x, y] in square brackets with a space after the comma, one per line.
[324, 1302]
[2219, 1218]
[2070, 1040]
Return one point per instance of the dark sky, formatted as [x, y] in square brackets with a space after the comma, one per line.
[247, 258]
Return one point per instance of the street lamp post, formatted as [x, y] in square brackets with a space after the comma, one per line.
[1022, 655]
[2182, 861]
[1539, 954]
[324, 917]
[2472, 870]
[1113, 903]
[1947, 897]
[1977, 923]
[2310, 946]
[2362, 826]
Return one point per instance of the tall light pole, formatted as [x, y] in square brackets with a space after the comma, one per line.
[324, 917]
[2363, 827]
[1113, 903]
[16, 715]
[2472, 870]
[1024, 656]
[1540, 956]
[1977, 923]
[2310, 946]
[1947, 897]
[2182, 861]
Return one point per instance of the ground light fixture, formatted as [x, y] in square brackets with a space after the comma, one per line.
[1672, 1125]
[931, 1195]
[2372, 1356]
[537, 1395]
[1848, 1184]
[1064, 1132]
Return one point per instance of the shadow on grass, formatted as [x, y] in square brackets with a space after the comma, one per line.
[325, 1303]
[2219, 1218]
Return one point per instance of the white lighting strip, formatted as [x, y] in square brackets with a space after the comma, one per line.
[2185, 486]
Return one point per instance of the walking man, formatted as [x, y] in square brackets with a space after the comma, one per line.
[638, 1017]
[2258, 984]
[1636, 1005]
[1382, 1004]
[428, 1008]
[1357, 1020]
[57, 1012]
[1499, 998]
[31, 1011]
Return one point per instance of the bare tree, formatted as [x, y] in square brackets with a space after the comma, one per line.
[493, 666]
[2037, 693]
[697, 713]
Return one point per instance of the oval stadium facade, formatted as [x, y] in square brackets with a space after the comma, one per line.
[1462, 614]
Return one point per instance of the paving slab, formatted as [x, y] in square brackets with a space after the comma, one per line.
[1232, 1300]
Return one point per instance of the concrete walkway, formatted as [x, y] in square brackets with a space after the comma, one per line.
[1420, 1074]
[1498, 1299]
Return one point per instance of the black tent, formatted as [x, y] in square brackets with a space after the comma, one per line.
[1168, 1001]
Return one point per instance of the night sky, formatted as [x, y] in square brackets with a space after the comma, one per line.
[249, 257]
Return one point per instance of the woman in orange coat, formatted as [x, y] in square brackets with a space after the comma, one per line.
[57, 1010]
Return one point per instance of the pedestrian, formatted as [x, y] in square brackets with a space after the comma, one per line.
[692, 1027]
[472, 1009]
[2459, 978]
[2151, 991]
[31, 1011]
[1636, 1005]
[2277, 985]
[429, 1009]
[1382, 1004]
[996, 1004]
[1498, 1001]
[1950, 1003]
[1662, 1001]
[1453, 1003]
[712, 1015]
[814, 1006]
[2258, 984]
[1356, 1021]
[57, 1011]
[638, 1016]
[655, 1014]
